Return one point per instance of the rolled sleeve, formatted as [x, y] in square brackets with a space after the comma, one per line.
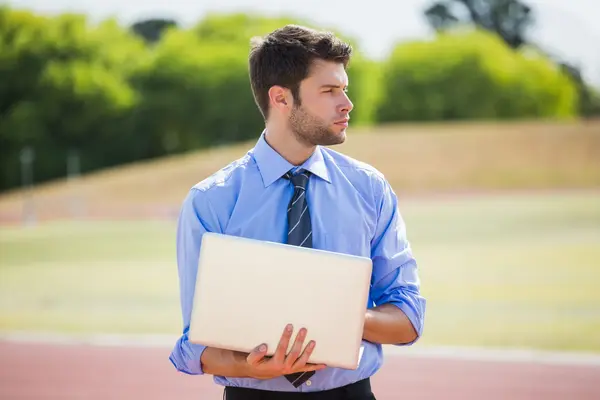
[395, 272]
[186, 356]
[196, 218]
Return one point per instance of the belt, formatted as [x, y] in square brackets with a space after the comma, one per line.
[358, 390]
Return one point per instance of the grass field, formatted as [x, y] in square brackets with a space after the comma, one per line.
[506, 268]
[497, 270]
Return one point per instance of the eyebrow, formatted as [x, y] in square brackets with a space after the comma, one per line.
[333, 86]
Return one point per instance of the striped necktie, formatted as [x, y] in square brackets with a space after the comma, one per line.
[299, 234]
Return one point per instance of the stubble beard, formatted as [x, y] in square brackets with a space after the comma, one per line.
[311, 130]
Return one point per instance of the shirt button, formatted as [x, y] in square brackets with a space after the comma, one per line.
[308, 383]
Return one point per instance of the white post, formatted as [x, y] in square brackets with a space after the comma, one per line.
[73, 173]
[27, 157]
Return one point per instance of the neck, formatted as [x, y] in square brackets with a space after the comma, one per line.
[284, 142]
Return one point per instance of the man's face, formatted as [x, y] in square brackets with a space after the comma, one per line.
[323, 114]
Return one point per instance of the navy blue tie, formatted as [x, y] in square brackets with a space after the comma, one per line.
[299, 234]
[298, 214]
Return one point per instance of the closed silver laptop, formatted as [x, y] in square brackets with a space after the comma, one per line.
[248, 290]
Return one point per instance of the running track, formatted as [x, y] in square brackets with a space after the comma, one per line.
[31, 370]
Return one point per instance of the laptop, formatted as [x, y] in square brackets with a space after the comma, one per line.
[248, 290]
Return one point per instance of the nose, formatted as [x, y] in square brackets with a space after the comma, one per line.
[346, 105]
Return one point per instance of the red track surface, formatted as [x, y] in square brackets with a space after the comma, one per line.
[51, 371]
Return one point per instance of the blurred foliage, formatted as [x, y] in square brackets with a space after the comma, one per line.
[120, 94]
[238, 28]
[509, 20]
[471, 75]
[65, 85]
[152, 30]
[196, 94]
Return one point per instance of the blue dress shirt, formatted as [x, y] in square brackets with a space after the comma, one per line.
[353, 210]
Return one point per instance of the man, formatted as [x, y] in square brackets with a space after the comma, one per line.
[290, 189]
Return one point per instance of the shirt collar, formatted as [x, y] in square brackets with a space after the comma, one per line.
[273, 166]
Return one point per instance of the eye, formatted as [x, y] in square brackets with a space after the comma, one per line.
[334, 90]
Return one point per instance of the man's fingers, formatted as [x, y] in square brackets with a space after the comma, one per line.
[303, 359]
[257, 355]
[296, 348]
[313, 367]
[284, 342]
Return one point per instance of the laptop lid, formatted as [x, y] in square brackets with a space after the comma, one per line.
[247, 290]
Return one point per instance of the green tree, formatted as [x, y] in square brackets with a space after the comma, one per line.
[101, 90]
[238, 28]
[472, 75]
[66, 88]
[195, 94]
[152, 30]
[510, 19]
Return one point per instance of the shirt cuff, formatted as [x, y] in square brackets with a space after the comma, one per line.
[186, 356]
[416, 317]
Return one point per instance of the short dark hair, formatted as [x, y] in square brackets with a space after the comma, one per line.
[284, 57]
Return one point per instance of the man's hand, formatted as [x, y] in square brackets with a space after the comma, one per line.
[257, 364]
[262, 367]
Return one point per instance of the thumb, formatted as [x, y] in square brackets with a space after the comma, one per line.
[257, 354]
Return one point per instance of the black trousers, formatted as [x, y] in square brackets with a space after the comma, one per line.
[360, 390]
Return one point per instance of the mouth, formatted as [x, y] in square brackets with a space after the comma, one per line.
[342, 122]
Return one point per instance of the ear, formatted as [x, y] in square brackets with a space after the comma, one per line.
[280, 98]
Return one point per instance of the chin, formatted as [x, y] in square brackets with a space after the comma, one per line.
[341, 134]
[334, 138]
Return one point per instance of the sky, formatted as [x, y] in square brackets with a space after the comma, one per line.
[566, 28]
